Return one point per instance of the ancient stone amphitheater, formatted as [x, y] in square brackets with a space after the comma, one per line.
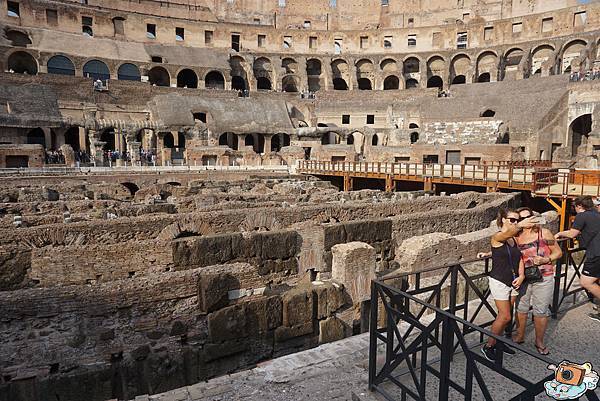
[156, 232]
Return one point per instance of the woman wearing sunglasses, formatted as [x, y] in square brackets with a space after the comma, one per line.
[506, 276]
[539, 249]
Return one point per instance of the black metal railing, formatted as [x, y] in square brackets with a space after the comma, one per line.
[429, 316]
[426, 356]
[568, 268]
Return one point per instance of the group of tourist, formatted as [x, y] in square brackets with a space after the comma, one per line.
[147, 156]
[54, 156]
[522, 276]
[589, 75]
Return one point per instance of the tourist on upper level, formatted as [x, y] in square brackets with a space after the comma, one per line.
[539, 250]
[586, 229]
[507, 275]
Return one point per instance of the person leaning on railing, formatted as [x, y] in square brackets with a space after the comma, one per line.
[507, 274]
[586, 228]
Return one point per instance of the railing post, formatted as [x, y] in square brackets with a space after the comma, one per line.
[557, 277]
[373, 335]
[446, 352]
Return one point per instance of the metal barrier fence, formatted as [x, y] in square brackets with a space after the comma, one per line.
[427, 318]
[136, 169]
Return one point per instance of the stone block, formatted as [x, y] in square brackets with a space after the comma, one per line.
[214, 351]
[353, 265]
[329, 297]
[297, 307]
[228, 324]
[213, 289]
[331, 329]
[284, 333]
[280, 244]
[276, 266]
[264, 314]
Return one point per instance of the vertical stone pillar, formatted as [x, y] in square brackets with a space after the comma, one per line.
[267, 149]
[47, 137]
[423, 74]
[276, 84]
[353, 84]
[353, 265]
[303, 75]
[133, 147]
[326, 75]
[82, 141]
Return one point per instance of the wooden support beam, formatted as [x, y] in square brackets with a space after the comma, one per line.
[389, 183]
[562, 211]
[348, 183]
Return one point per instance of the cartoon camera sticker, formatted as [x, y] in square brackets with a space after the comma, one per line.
[571, 380]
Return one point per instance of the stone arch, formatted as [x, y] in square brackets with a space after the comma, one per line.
[364, 84]
[263, 83]
[131, 186]
[129, 72]
[260, 221]
[214, 80]
[579, 131]
[487, 63]
[413, 126]
[436, 65]
[159, 76]
[187, 227]
[511, 60]
[411, 83]
[340, 84]
[289, 65]
[37, 137]
[168, 140]
[72, 138]
[414, 137]
[187, 78]
[459, 79]
[365, 74]
[358, 140]
[238, 83]
[313, 72]
[375, 140]
[18, 38]
[22, 63]
[289, 83]
[460, 66]
[279, 141]
[411, 65]
[229, 139]
[540, 56]
[571, 54]
[60, 65]
[488, 113]
[340, 71]
[391, 82]
[435, 81]
[257, 141]
[239, 76]
[330, 138]
[389, 65]
[96, 69]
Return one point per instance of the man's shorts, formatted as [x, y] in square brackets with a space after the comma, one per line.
[591, 267]
[500, 291]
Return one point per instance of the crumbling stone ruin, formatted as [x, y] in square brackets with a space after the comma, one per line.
[180, 282]
[263, 83]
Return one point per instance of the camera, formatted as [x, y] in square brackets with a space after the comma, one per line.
[570, 373]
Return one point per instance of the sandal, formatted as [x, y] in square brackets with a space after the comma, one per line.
[542, 350]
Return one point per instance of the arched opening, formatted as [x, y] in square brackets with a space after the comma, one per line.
[330, 138]
[580, 129]
[22, 63]
[459, 80]
[313, 71]
[488, 113]
[375, 140]
[350, 139]
[129, 72]
[364, 84]
[249, 140]
[60, 65]
[411, 65]
[263, 83]
[238, 83]
[229, 139]
[174, 183]
[288, 84]
[36, 137]
[485, 77]
[391, 82]
[72, 138]
[159, 76]
[412, 83]
[168, 141]
[18, 39]
[505, 138]
[414, 137]
[256, 141]
[108, 136]
[279, 141]
[413, 126]
[214, 80]
[435, 82]
[132, 187]
[96, 69]
[571, 55]
[187, 79]
[339, 84]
